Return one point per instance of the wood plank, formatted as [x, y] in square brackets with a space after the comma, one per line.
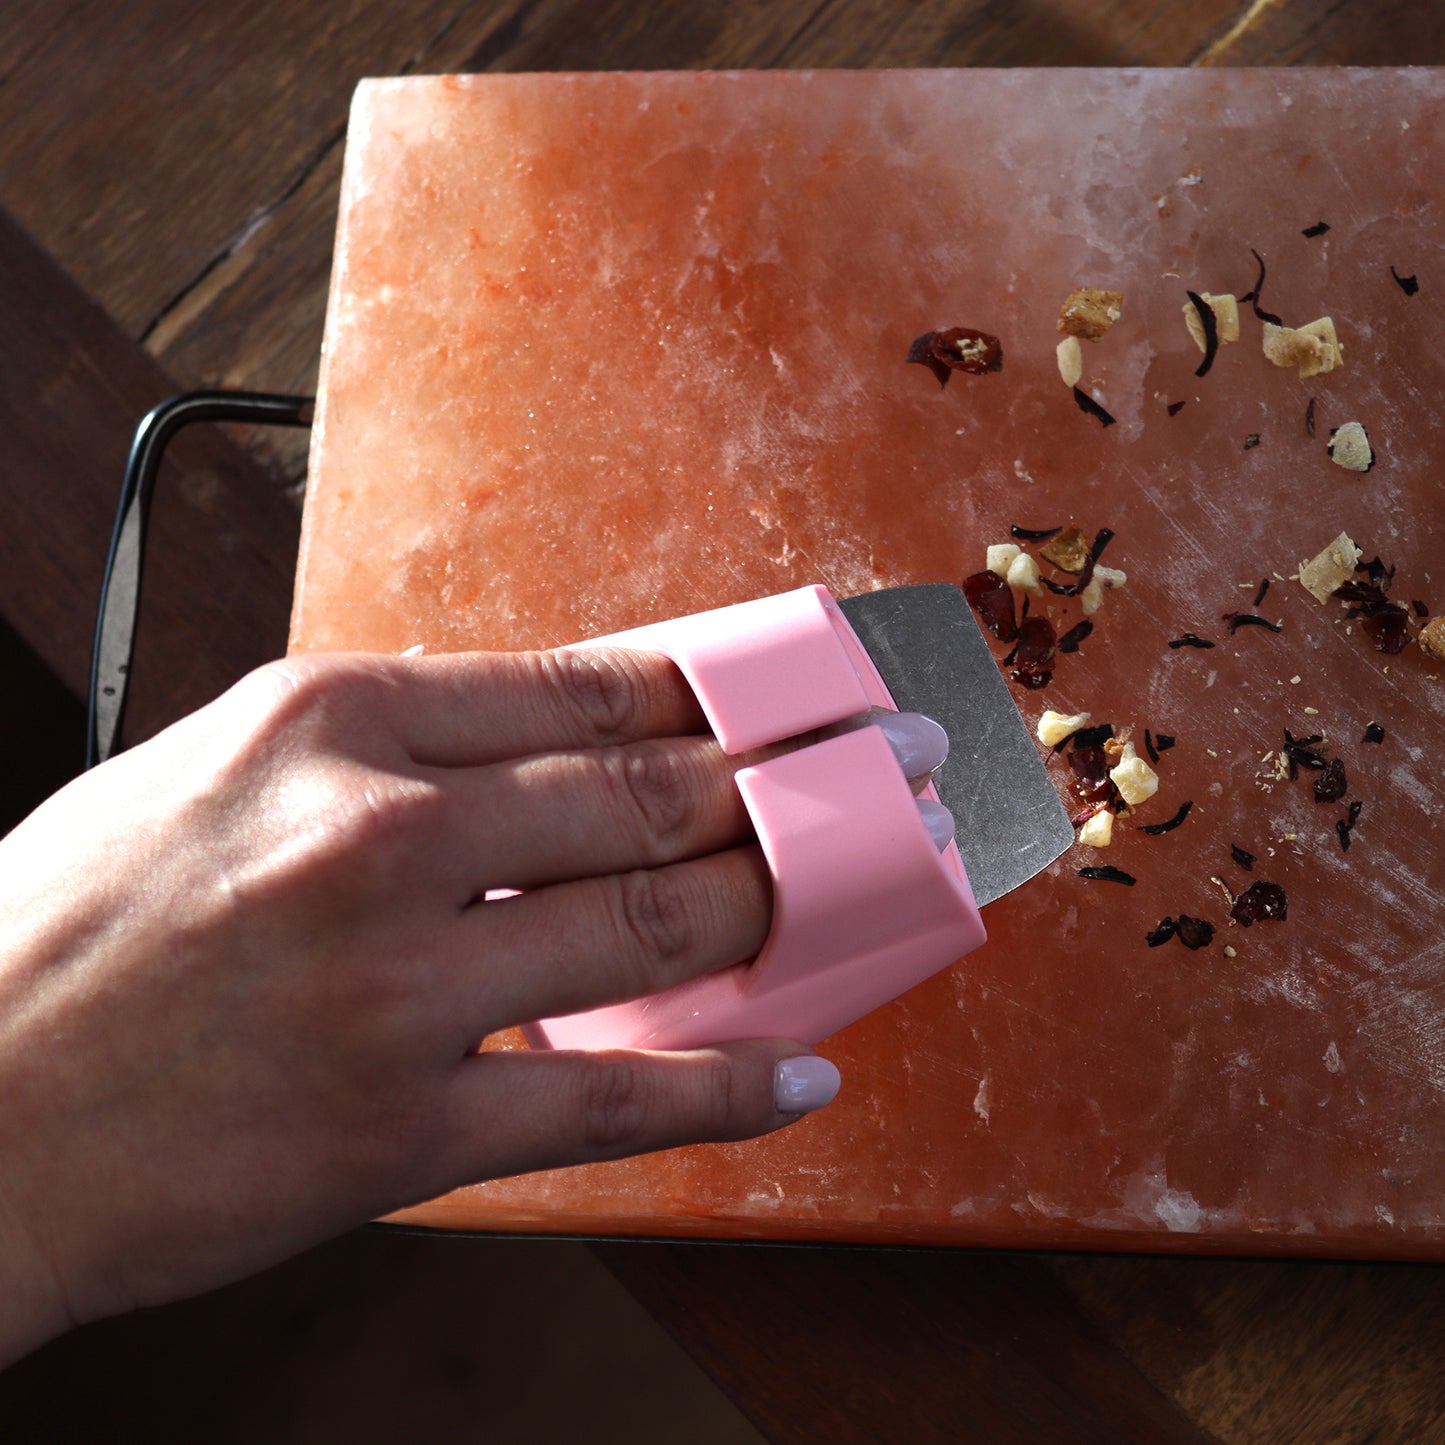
[72, 390]
[169, 129]
[876, 33]
[1355, 32]
[1289, 1351]
[375, 1338]
[869, 1345]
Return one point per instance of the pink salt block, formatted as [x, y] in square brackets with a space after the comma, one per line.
[603, 349]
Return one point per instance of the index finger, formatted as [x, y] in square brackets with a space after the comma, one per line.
[471, 709]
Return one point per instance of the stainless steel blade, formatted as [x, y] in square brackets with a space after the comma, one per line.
[927, 647]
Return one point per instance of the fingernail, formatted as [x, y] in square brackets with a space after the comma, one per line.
[919, 743]
[804, 1083]
[939, 821]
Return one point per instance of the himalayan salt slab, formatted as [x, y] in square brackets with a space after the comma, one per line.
[606, 348]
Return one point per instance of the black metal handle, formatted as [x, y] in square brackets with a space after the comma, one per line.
[120, 591]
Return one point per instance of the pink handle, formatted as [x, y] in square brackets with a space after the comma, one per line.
[864, 904]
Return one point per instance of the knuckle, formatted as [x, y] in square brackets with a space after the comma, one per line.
[601, 689]
[317, 697]
[657, 917]
[616, 1103]
[723, 1102]
[650, 783]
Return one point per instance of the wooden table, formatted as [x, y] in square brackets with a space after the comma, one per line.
[168, 178]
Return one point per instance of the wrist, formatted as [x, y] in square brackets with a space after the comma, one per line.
[32, 1309]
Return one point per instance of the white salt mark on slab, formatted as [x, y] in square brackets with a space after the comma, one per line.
[1178, 1211]
[1332, 1058]
[981, 1099]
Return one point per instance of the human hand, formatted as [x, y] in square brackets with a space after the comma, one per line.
[245, 967]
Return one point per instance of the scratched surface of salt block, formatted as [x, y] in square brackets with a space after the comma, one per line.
[606, 348]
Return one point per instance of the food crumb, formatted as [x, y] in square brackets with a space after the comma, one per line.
[1023, 572]
[1432, 638]
[999, 557]
[1070, 356]
[1054, 727]
[1331, 568]
[1312, 350]
[1134, 778]
[1229, 951]
[1088, 312]
[1349, 447]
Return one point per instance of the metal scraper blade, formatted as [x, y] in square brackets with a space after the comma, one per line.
[928, 649]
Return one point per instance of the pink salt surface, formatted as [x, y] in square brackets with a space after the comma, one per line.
[604, 348]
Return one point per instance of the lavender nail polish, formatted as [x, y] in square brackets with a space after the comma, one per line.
[804, 1083]
[919, 743]
[939, 820]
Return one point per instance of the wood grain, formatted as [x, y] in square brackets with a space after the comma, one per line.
[176, 167]
[869, 1345]
[223, 543]
[225, 109]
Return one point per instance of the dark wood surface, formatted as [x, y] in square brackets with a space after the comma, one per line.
[168, 179]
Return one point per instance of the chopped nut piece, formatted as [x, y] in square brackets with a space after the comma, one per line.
[1432, 638]
[1054, 727]
[1098, 832]
[1000, 557]
[1133, 777]
[1103, 578]
[1350, 448]
[1330, 569]
[1313, 349]
[1023, 572]
[1088, 312]
[1071, 360]
[1226, 319]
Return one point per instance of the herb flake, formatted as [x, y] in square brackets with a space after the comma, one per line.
[1090, 407]
[1408, 284]
[1209, 324]
[1169, 824]
[1254, 295]
[1107, 873]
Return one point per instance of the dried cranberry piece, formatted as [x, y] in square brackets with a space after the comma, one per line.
[993, 600]
[1387, 630]
[1194, 932]
[1260, 901]
[1331, 785]
[1091, 772]
[957, 348]
[1034, 664]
